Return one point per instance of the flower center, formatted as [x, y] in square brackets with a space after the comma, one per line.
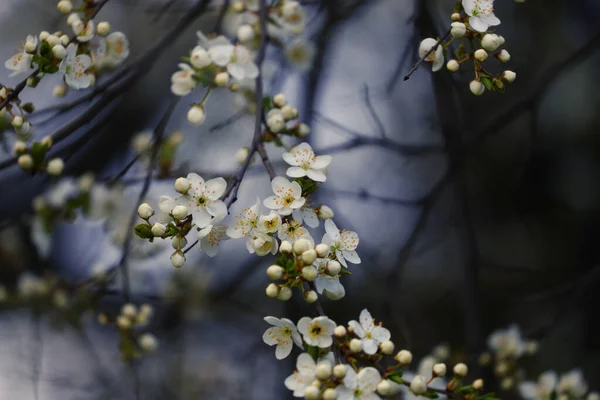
[201, 201]
[315, 330]
[288, 199]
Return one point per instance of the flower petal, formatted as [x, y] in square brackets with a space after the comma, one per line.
[296, 172]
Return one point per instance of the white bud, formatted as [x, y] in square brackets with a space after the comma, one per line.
[404, 357]
[279, 100]
[59, 90]
[145, 211]
[322, 249]
[490, 42]
[501, 368]
[123, 322]
[200, 58]
[178, 242]
[311, 296]
[309, 256]
[129, 310]
[180, 212]
[481, 55]
[333, 267]
[339, 371]
[325, 212]
[19, 147]
[73, 18]
[458, 29]
[477, 88]
[59, 51]
[272, 290]
[285, 293]
[285, 247]
[64, 6]
[303, 130]
[53, 40]
[64, 39]
[355, 345]
[439, 369]
[245, 33]
[478, 385]
[146, 310]
[340, 331]
[453, 65]
[55, 167]
[309, 273]
[177, 258]
[274, 272]
[418, 385]
[195, 115]
[323, 370]
[300, 246]
[44, 35]
[276, 123]
[25, 161]
[509, 76]
[312, 393]
[103, 28]
[501, 40]
[241, 155]
[387, 347]
[182, 185]
[509, 382]
[289, 113]
[504, 56]
[222, 79]
[455, 17]
[329, 394]
[461, 370]
[30, 46]
[17, 121]
[158, 229]
[148, 342]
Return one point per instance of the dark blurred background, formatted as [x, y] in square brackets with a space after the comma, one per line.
[473, 212]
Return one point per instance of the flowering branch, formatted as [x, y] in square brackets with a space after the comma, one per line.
[426, 55]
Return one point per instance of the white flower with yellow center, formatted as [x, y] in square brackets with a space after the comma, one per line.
[182, 81]
[84, 31]
[300, 53]
[73, 67]
[269, 223]
[202, 199]
[19, 63]
[306, 215]
[288, 196]
[211, 236]
[436, 57]
[361, 386]
[540, 390]
[262, 244]
[481, 14]
[246, 222]
[343, 243]
[284, 334]
[304, 162]
[112, 51]
[292, 231]
[303, 376]
[317, 332]
[371, 335]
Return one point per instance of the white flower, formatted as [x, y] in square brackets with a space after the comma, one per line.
[113, 50]
[73, 67]
[303, 376]
[540, 390]
[182, 81]
[507, 342]
[203, 201]
[481, 14]
[317, 331]
[165, 205]
[437, 56]
[288, 196]
[344, 242]
[573, 384]
[306, 215]
[304, 162]
[326, 284]
[300, 53]
[293, 231]
[242, 65]
[208, 43]
[261, 244]
[360, 386]
[19, 63]
[84, 32]
[370, 334]
[200, 57]
[247, 222]
[282, 333]
[211, 236]
[269, 223]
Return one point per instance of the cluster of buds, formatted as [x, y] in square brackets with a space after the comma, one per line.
[15, 115]
[282, 119]
[34, 158]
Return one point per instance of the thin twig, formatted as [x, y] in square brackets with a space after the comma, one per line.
[418, 63]
[372, 112]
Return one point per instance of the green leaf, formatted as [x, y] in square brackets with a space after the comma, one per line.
[143, 231]
[431, 395]
[268, 104]
[487, 82]
[313, 351]
[396, 377]
[38, 153]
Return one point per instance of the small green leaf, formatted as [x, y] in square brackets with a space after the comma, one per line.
[143, 231]
[396, 377]
[487, 82]
[431, 395]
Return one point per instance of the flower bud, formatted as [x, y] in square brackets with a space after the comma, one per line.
[404, 357]
[59, 51]
[177, 258]
[312, 393]
[123, 322]
[103, 28]
[289, 113]
[329, 394]
[303, 130]
[146, 310]
[241, 155]
[180, 212]
[490, 42]
[309, 256]
[339, 371]
[387, 388]
[478, 385]
[333, 267]
[300, 246]
[279, 100]
[245, 33]
[325, 212]
[504, 56]
[355, 345]
[148, 342]
[276, 123]
[309, 273]
[145, 211]
[311, 296]
[323, 370]
[322, 249]
[418, 385]
[501, 368]
[286, 247]
[477, 88]
[222, 79]
[53, 40]
[458, 29]
[272, 290]
[59, 90]
[439, 369]
[461, 370]
[178, 242]
[17, 121]
[55, 166]
[64, 6]
[64, 40]
[387, 347]
[30, 46]
[455, 17]
[274, 272]
[509, 76]
[73, 18]
[19, 147]
[452, 65]
[182, 185]
[200, 58]
[44, 35]
[481, 55]
[508, 383]
[285, 293]
[25, 161]
[129, 310]
[196, 115]
[158, 229]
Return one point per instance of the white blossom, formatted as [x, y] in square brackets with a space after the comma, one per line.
[436, 57]
[202, 199]
[113, 50]
[304, 162]
[73, 67]
[182, 81]
[573, 384]
[361, 386]
[540, 390]
[261, 244]
[84, 31]
[246, 222]
[481, 14]
[300, 53]
[303, 376]
[327, 284]
[293, 231]
[318, 331]
[237, 60]
[211, 236]
[269, 223]
[507, 343]
[19, 63]
[200, 57]
[288, 196]
[283, 333]
[344, 242]
[370, 334]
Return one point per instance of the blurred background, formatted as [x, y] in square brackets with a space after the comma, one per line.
[473, 213]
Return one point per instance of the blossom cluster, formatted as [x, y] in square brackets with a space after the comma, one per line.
[471, 21]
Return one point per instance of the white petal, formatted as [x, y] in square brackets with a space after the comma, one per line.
[368, 378]
[195, 180]
[351, 378]
[273, 321]
[305, 364]
[200, 217]
[236, 70]
[284, 349]
[358, 330]
[316, 175]
[216, 188]
[332, 230]
[351, 256]
[478, 24]
[217, 209]
[469, 6]
[270, 336]
[380, 334]
[325, 341]
[321, 162]
[528, 390]
[310, 218]
[271, 202]
[366, 320]
[303, 324]
[296, 172]
[279, 183]
[290, 159]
